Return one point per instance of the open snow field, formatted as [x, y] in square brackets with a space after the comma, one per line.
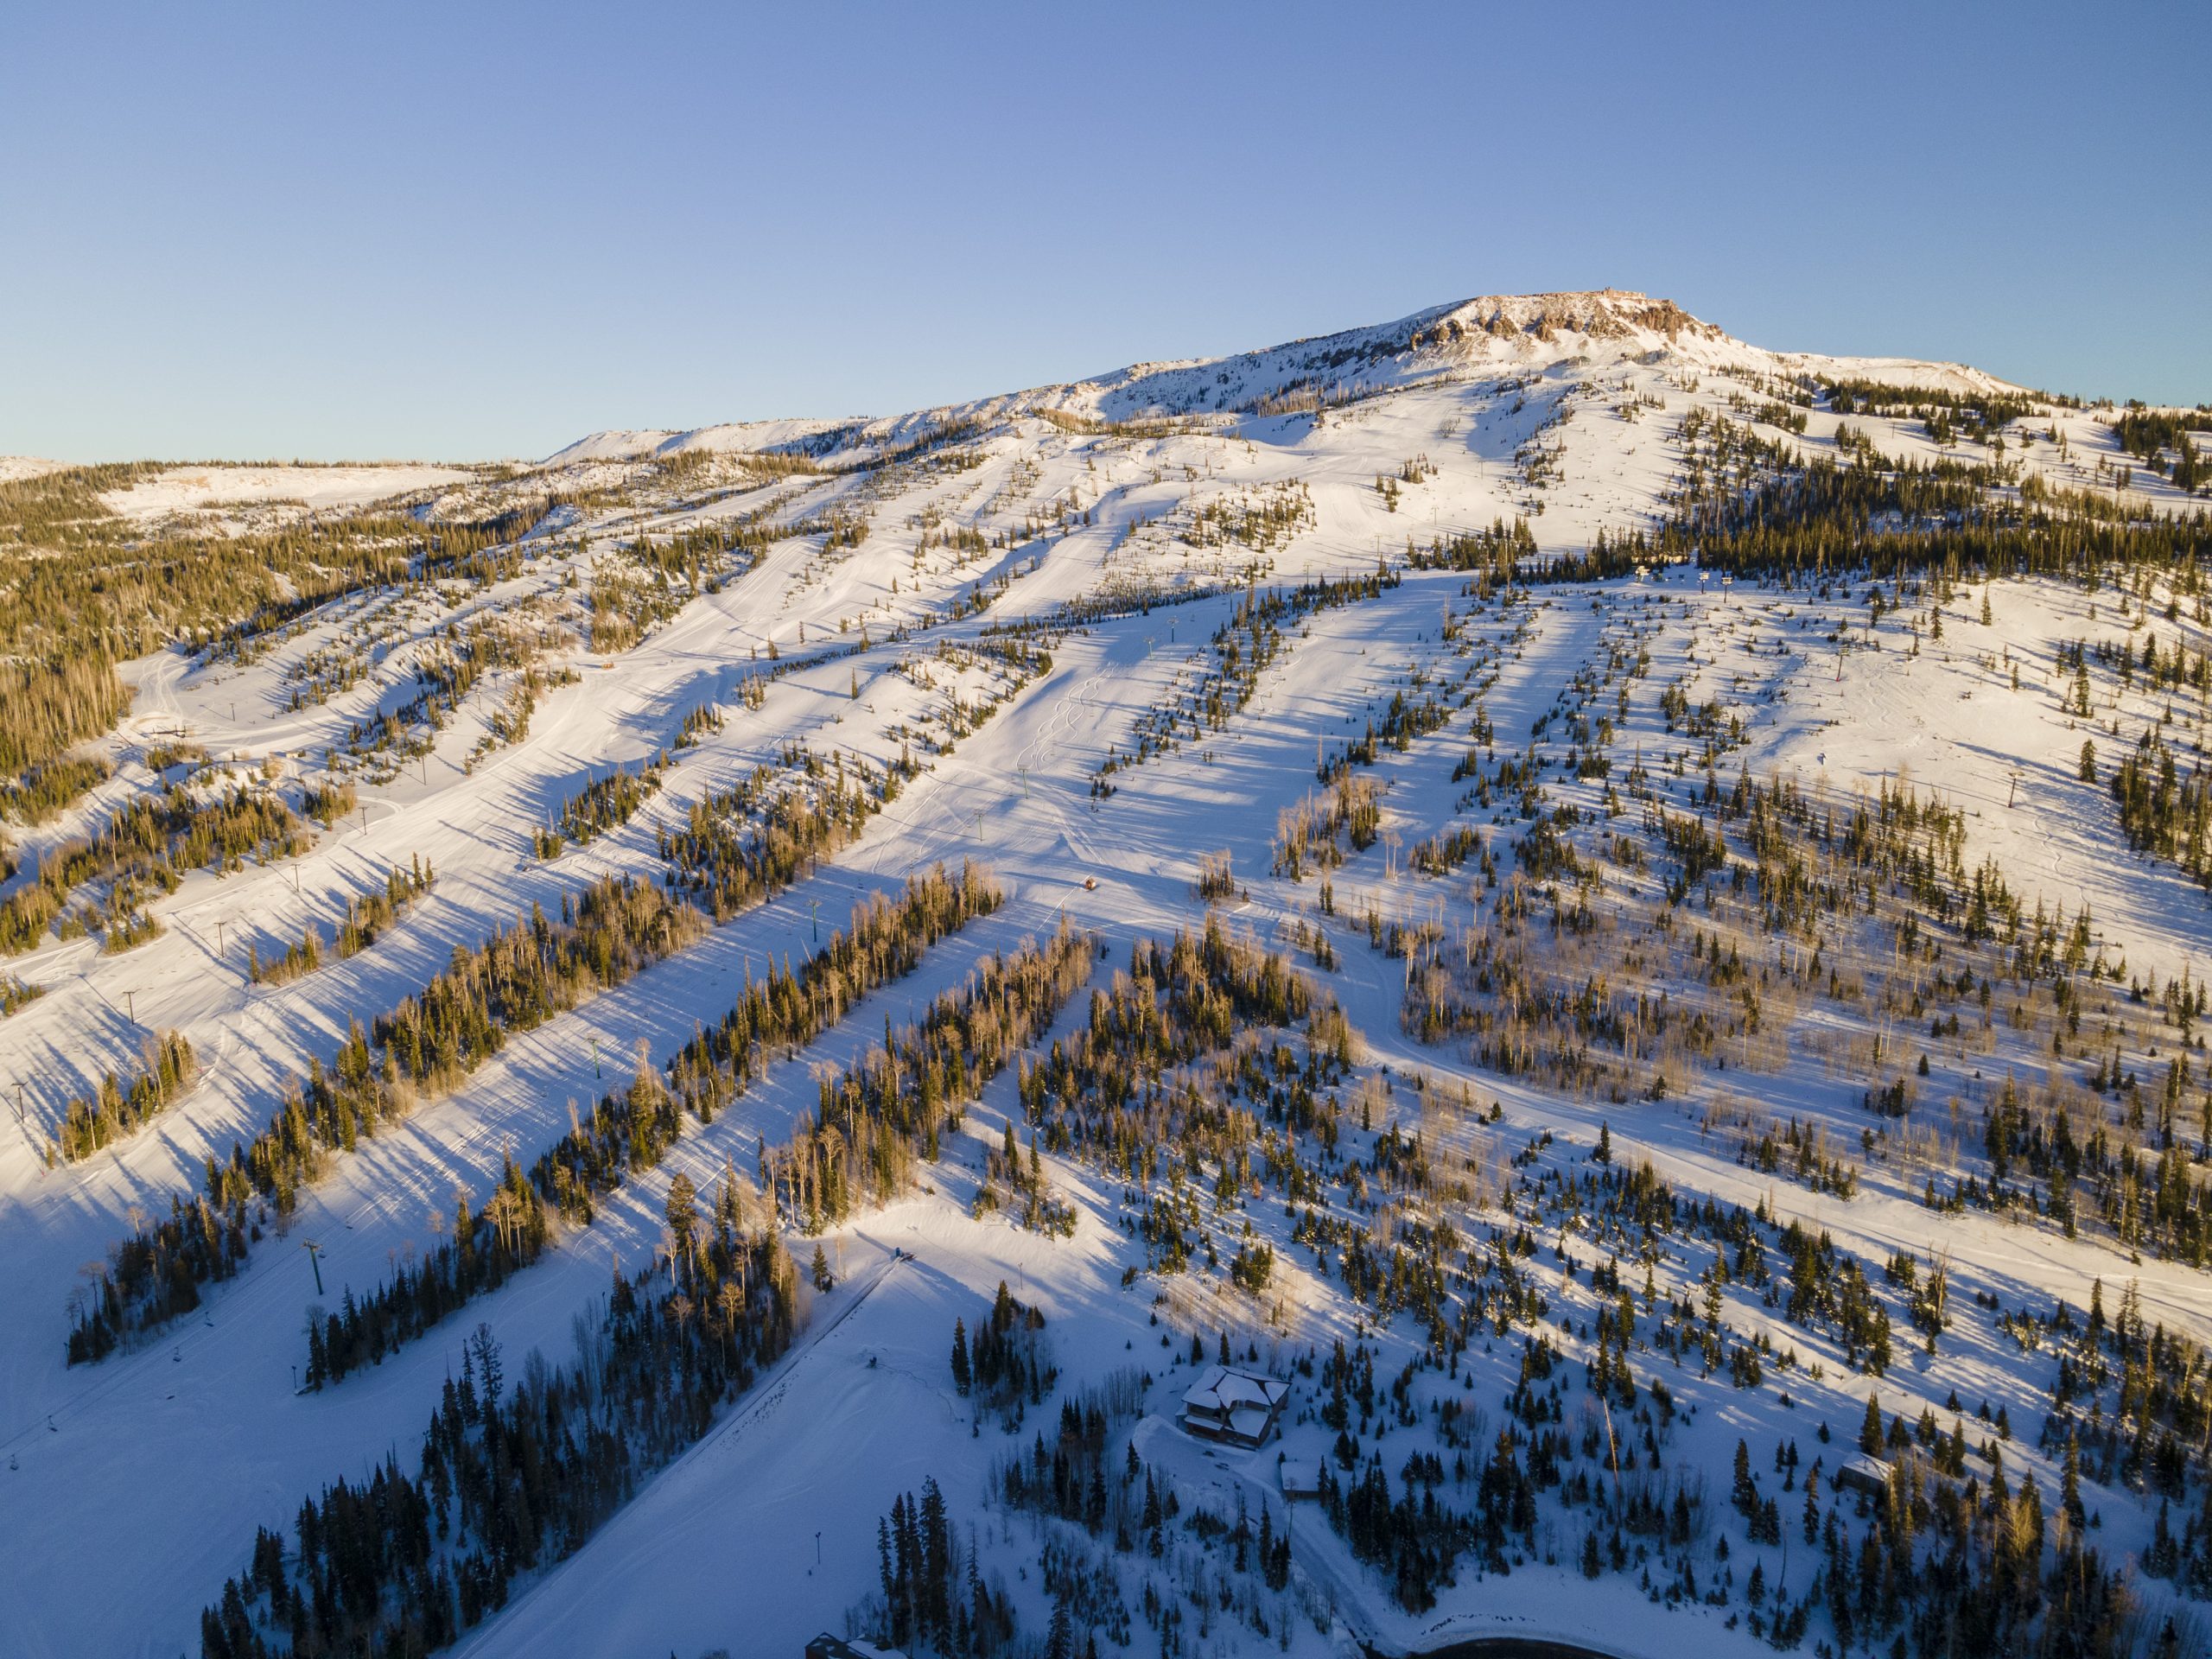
[184, 492]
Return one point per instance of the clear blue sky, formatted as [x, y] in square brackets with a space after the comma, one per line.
[457, 230]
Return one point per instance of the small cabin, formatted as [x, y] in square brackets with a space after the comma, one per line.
[1870, 1477]
[1238, 1407]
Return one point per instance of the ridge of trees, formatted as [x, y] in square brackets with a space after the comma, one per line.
[401, 1563]
[511, 1480]
[116, 1109]
[630, 1131]
[602, 804]
[368, 918]
[146, 848]
[527, 972]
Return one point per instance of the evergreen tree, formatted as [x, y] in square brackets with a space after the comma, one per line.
[682, 1212]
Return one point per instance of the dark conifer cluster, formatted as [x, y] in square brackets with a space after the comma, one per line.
[121, 1108]
[933, 1592]
[527, 972]
[1811, 520]
[2148, 434]
[1008, 1363]
[1501, 558]
[145, 848]
[328, 801]
[512, 1478]
[367, 919]
[630, 1131]
[44, 790]
[1987, 412]
[2163, 810]
[487, 1246]
[2146, 1435]
[935, 1598]
[602, 804]
[880, 1115]
[748, 843]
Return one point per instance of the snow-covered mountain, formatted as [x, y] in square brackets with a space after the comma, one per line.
[1690, 862]
[1494, 337]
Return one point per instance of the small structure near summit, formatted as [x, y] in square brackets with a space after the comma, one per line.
[1239, 1408]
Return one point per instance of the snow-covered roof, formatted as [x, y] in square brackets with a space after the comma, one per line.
[1863, 1470]
[1222, 1392]
[1251, 1421]
[850, 1647]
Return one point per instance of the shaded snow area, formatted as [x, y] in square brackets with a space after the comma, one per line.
[727, 1053]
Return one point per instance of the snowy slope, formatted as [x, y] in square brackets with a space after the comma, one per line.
[856, 572]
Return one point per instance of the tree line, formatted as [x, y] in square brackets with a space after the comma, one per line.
[404, 1565]
[512, 1478]
[368, 918]
[117, 1108]
[630, 1131]
[527, 972]
[602, 804]
[145, 848]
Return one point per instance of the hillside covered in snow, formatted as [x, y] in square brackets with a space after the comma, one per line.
[705, 1040]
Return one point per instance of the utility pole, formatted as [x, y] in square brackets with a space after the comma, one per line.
[594, 1057]
[315, 1262]
[130, 1012]
[814, 909]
